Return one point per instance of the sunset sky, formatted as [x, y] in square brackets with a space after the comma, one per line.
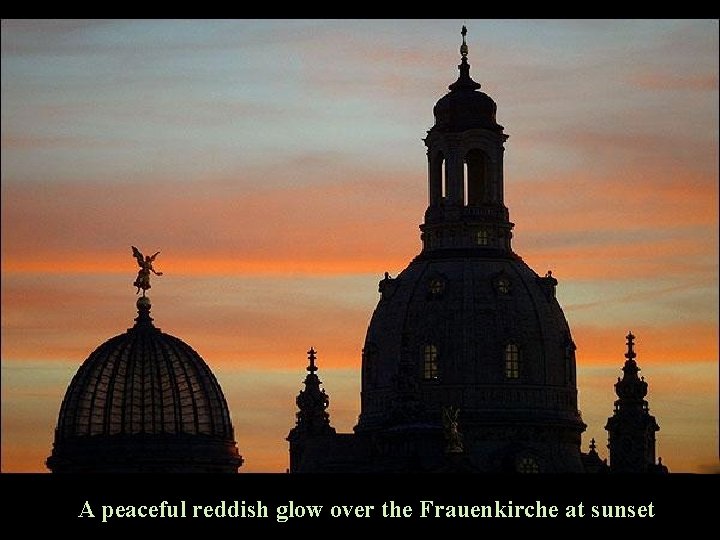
[279, 168]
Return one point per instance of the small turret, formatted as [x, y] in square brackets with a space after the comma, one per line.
[313, 419]
[631, 429]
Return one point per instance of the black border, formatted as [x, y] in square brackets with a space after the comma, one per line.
[44, 501]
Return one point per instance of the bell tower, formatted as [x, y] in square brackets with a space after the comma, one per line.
[631, 429]
[312, 427]
[465, 171]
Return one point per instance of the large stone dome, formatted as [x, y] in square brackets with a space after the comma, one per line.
[470, 309]
[144, 401]
[482, 333]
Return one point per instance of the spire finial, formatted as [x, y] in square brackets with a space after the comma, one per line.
[312, 368]
[143, 319]
[463, 47]
[593, 446]
[312, 402]
[464, 81]
[630, 354]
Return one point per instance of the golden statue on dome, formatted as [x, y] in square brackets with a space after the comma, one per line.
[142, 281]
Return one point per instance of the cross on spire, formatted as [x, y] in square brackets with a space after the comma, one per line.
[464, 82]
[312, 402]
[312, 368]
[631, 429]
[463, 47]
[630, 354]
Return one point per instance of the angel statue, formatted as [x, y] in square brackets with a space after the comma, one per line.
[142, 281]
[452, 433]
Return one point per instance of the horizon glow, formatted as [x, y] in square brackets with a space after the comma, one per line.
[278, 167]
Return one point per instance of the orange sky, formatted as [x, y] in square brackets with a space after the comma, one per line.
[281, 179]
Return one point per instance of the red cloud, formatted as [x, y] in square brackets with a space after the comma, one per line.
[655, 344]
[667, 81]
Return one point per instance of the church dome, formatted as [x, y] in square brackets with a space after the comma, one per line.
[468, 326]
[480, 331]
[144, 401]
[468, 363]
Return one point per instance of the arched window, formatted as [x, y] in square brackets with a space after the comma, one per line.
[475, 177]
[430, 363]
[512, 361]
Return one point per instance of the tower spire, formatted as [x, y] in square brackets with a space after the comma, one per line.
[632, 428]
[631, 386]
[465, 171]
[313, 419]
[464, 81]
[312, 368]
[312, 402]
[630, 354]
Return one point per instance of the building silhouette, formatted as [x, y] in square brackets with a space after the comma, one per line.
[468, 363]
[631, 429]
[144, 401]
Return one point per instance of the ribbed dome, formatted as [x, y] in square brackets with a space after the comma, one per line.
[149, 394]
